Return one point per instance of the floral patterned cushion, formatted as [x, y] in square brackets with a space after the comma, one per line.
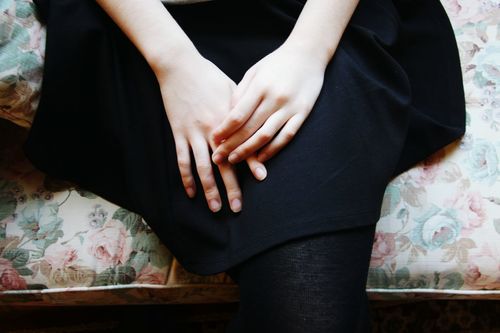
[440, 228]
[438, 236]
[22, 49]
[56, 237]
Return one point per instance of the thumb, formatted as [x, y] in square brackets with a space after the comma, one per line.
[242, 86]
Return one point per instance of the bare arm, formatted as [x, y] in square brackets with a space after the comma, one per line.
[196, 93]
[320, 26]
[153, 30]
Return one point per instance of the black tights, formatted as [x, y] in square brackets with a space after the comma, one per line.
[313, 284]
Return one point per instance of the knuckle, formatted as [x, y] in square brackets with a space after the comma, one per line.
[236, 119]
[204, 125]
[233, 193]
[187, 180]
[186, 177]
[265, 137]
[184, 166]
[279, 96]
[268, 153]
[232, 189]
[204, 168]
[241, 152]
[223, 150]
[208, 181]
[247, 131]
[211, 191]
[288, 135]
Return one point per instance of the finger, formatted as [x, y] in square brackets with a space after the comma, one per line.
[184, 164]
[258, 169]
[286, 134]
[233, 190]
[261, 137]
[205, 172]
[242, 86]
[265, 108]
[243, 109]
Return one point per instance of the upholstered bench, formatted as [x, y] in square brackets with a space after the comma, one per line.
[438, 236]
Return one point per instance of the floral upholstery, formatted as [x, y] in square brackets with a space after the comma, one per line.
[438, 236]
[55, 237]
[439, 233]
[22, 49]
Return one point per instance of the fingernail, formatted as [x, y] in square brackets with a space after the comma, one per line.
[233, 157]
[190, 191]
[217, 158]
[214, 205]
[236, 205]
[261, 173]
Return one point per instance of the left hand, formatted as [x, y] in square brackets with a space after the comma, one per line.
[278, 92]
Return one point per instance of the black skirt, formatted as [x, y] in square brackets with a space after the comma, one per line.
[392, 96]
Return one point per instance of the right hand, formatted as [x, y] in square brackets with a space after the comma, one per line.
[196, 95]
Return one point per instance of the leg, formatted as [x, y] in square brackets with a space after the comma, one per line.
[312, 284]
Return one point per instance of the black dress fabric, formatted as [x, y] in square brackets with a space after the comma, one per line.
[392, 96]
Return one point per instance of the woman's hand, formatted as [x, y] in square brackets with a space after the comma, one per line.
[278, 92]
[196, 95]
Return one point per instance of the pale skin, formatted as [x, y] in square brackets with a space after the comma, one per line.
[255, 118]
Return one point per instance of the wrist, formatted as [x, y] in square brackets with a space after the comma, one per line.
[313, 51]
[164, 60]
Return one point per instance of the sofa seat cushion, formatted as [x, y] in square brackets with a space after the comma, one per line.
[439, 234]
[56, 237]
[56, 234]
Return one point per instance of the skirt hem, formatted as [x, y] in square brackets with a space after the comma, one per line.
[319, 225]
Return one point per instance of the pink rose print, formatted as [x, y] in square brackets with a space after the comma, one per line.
[9, 277]
[472, 274]
[462, 12]
[384, 247]
[60, 256]
[146, 275]
[37, 33]
[109, 244]
[470, 210]
[483, 268]
[426, 172]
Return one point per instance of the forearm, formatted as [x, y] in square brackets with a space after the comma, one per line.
[151, 28]
[320, 26]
